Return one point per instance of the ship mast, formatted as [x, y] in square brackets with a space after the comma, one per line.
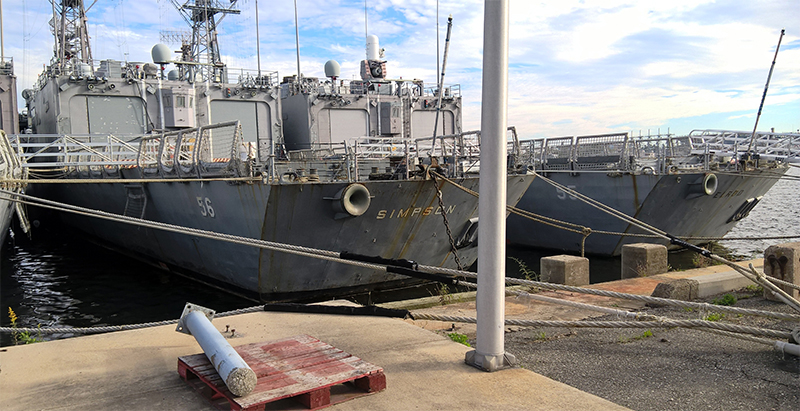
[68, 26]
[201, 17]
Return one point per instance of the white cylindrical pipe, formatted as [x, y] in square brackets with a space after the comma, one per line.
[788, 348]
[238, 376]
[490, 353]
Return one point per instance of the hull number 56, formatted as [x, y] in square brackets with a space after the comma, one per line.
[205, 207]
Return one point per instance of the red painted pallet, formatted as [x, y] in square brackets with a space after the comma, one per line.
[301, 368]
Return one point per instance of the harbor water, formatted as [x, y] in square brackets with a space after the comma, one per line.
[58, 279]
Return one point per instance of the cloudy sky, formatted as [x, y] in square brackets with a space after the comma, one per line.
[576, 67]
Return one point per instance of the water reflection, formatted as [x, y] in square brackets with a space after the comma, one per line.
[61, 280]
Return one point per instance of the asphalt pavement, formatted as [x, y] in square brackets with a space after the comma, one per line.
[668, 369]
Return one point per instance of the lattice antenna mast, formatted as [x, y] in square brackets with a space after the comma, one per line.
[68, 26]
[200, 15]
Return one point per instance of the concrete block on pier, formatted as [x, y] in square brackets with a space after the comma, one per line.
[643, 259]
[565, 269]
[682, 289]
[782, 261]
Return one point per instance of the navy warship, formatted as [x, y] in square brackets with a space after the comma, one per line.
[10, 168]
[329, 164]
[695, 187]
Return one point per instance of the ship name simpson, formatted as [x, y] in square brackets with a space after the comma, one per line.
[413, 211]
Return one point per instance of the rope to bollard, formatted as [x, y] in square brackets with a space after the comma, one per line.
[784, 283]
[626, 296]
[615, 324]
[333, 256]
[622, 313]
[292, 249]
[575, 304]
[752, 274]
[586, 231]
[114, 328]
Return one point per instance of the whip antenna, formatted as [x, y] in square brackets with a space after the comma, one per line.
[297, 40]
[766, 86]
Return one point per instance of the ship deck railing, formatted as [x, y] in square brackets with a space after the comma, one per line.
[387, 157]
[7, 66]
[736, 143]
[653, 153]
[463, 145]
[591, 152]
[249, 78]
[378, 86]
[214, 150]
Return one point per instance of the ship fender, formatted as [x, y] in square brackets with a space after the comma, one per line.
[705, 185]
[352, 200]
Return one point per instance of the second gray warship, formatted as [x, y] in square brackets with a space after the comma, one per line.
[695, 187]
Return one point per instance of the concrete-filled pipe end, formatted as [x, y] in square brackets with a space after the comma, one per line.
[241, 381]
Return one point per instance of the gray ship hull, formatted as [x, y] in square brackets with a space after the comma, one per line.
[404, 221]
[6, 213]
[673, 203]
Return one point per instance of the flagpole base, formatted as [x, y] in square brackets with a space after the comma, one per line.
[489, 362]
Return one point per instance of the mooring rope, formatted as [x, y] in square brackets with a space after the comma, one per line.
[616, 294]
[580, 229]
[333, 256]
[113, 328]
[292, 249]
[615, 324]
[752, 274]
[328, 255]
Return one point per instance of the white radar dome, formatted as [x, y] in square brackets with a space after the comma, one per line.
[373, 48]
[173, 75]
[161, 54]
[332, 68]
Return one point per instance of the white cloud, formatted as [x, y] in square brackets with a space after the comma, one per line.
[577, 66]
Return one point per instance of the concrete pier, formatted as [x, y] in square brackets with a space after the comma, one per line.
[137, 370]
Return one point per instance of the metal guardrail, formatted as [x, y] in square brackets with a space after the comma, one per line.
[774, 145]
[198, 152]
[622, 152]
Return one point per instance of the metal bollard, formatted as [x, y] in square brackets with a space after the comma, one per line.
[238, 376]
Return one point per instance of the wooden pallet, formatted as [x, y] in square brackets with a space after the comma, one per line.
[301, 368]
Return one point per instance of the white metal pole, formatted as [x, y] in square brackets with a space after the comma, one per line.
[489, 354]
[237, 375]
[297, 42]
[258, 45]
[2, 46]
